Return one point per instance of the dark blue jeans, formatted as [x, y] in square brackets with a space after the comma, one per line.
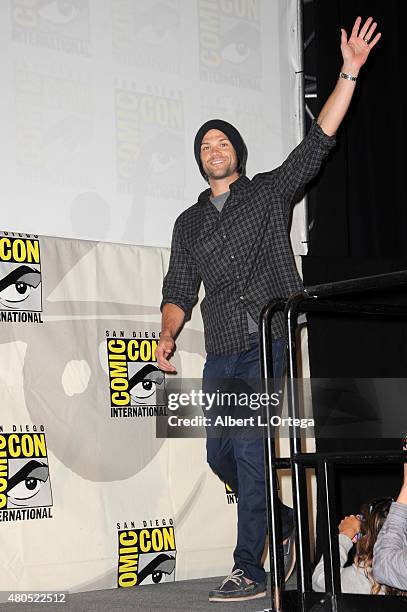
[239, 459]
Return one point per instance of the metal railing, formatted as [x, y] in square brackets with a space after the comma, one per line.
[318, 298]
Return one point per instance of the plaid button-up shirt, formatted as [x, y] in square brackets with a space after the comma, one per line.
[243, 254]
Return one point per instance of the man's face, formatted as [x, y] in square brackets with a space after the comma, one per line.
[218, 157]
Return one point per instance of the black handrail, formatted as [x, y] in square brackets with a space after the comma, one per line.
[362, 284]
[273, 506]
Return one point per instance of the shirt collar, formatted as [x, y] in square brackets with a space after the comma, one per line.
[237, 189]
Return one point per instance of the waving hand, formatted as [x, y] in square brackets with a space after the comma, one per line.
[356, 49]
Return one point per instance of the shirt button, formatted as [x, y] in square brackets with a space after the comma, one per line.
[241, 297]
[232, 257]
[223, 235]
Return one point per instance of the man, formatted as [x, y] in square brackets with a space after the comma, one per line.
[235, 239]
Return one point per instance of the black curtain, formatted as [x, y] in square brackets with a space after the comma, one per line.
[359, 204]
[358, 213]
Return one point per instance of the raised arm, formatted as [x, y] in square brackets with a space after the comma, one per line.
[390, 551]
[402, 498]
[305, 160]
[355, 52]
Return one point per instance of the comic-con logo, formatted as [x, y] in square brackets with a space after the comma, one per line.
[231, 496]
[149, 142]
[53, 132]
[136, 382]
[25, 487]
[230, 42]
[56, 25]
[146, 555]
[147, 35]
[20, 278]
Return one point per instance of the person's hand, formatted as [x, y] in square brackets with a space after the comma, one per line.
[350, 526]
[355, 51]
[164, 350]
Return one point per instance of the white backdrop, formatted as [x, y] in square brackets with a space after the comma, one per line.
[101, 100]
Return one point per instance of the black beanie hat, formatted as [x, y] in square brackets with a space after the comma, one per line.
[234, 137]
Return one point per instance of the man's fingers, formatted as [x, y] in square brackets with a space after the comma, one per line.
[163, 350]
[169, 370]
[161, 354]
[365, 27]
[165, 365]
[369, 34]
[344, 37]
[375, 40]
[356, 26]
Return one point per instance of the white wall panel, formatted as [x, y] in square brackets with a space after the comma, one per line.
[101, 100]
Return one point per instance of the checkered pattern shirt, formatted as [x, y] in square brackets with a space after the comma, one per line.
[243, 255]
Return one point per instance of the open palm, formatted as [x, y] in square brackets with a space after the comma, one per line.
[355, 51]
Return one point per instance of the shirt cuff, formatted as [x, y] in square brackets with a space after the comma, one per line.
[181, 305]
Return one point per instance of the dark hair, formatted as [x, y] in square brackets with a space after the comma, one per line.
[374, 516]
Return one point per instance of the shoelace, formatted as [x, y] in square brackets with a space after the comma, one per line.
[236, 576]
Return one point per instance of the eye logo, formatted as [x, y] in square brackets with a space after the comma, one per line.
[149, 143]
[146, 556]
[58, 24]
[230, 43]
[17, 286]
[20, 274]
[58, 13]
[24, 472]
[25, 485]
[134, 377]
[143, 383]
[147, 34]
[240, 44]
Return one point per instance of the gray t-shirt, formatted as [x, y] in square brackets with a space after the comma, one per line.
[219, 202]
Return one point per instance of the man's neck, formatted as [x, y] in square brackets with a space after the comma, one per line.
[222, 185]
